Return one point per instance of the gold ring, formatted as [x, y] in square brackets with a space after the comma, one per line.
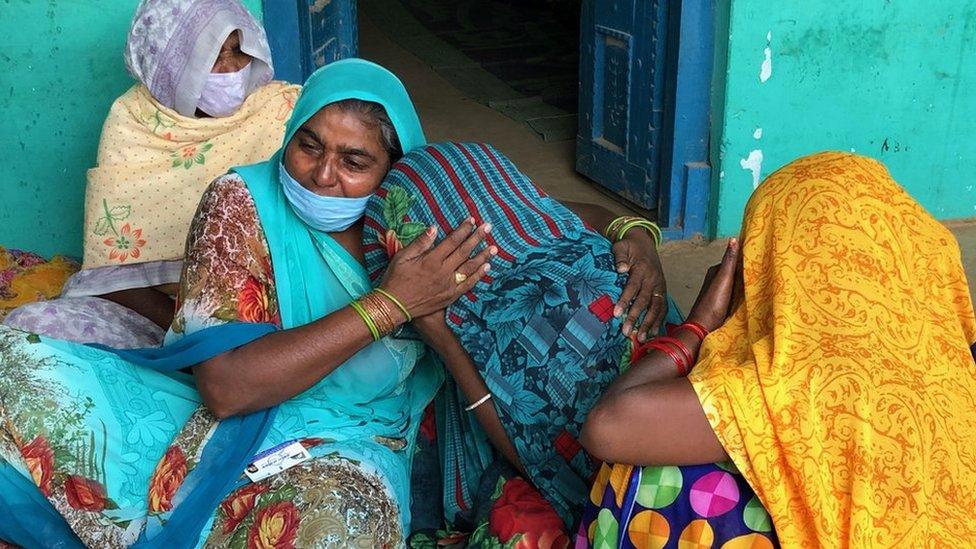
[460, 277]
[655, 294]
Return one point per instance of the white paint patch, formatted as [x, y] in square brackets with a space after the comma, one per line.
[753, 164]
[319, 5]
[721, 175]
[766, 71]
[757, 134]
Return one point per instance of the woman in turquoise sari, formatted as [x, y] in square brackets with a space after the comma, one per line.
[119, 448]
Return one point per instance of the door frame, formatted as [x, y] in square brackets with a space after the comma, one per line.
[684, 195]
[289, 30]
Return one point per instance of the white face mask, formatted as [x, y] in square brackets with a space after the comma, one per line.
[224, 92]
[331, 214]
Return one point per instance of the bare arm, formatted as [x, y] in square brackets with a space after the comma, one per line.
[465, 373]
[594, 215]
[658, 423]
[280, 365]
[226, 252]
[649, 415]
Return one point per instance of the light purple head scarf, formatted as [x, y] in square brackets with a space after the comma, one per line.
[173, 45]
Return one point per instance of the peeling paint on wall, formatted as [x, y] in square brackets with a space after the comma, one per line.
[766, 71]
[754, 164]
[885, 79]
[757, 134]
[319, 5]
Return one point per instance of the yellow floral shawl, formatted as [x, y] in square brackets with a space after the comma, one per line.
[154, 163]
[843, 386]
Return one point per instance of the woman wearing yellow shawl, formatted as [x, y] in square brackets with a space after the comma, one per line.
[841, 384]
[205, 102]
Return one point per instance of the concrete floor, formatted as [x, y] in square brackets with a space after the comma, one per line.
[448, 115]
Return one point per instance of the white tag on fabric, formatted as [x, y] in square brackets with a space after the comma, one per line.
[275, 460]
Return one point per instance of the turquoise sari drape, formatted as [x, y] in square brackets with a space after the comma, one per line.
[128, 406]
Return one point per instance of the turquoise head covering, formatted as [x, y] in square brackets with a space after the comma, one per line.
[364, 80]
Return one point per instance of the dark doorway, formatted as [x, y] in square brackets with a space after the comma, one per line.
[520, 57]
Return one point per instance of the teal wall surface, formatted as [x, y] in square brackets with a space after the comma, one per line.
[890, 79]
[61, 68]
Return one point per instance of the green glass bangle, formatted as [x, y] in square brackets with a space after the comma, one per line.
[650, 226]
[396, 302]
[613, 225]
[366, 319]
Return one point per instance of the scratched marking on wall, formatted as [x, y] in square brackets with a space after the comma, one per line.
[891, 145]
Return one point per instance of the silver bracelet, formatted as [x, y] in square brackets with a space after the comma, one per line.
[480, 401]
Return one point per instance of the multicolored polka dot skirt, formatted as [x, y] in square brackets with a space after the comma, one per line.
[696, 507]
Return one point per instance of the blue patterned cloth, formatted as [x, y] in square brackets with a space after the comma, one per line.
[540, 329]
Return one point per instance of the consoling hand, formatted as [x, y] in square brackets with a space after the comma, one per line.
[429, 278]
[715, 299]
[646, 289]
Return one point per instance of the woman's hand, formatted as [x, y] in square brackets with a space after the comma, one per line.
[428, 278]
[715, 299]
[646, 289]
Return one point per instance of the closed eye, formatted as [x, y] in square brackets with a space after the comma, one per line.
[309, 147]
[354, 163]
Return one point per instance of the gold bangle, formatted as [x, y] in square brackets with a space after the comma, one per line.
[388, 311]
[381, 313]
[396, 302]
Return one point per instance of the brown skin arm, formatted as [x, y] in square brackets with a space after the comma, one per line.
[279, 366]
[649, 415]
[594, 215]
[459, 364]
[152, 303]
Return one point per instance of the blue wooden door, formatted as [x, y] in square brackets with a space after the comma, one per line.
[623, 51]
[306, 34]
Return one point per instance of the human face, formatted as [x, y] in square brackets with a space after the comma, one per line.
[335, 153]
[231, 58]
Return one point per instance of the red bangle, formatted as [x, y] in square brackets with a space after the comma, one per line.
[689, 358]
[663, 347]
[692, 327]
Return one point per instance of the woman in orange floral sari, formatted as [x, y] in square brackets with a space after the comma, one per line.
[842, 384]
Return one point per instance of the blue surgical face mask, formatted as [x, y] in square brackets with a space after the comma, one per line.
[331, 214]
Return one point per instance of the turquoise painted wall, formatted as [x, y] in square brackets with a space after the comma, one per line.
[60, 69]
[889, 79]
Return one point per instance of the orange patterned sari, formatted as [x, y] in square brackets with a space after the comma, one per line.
[843, 386]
